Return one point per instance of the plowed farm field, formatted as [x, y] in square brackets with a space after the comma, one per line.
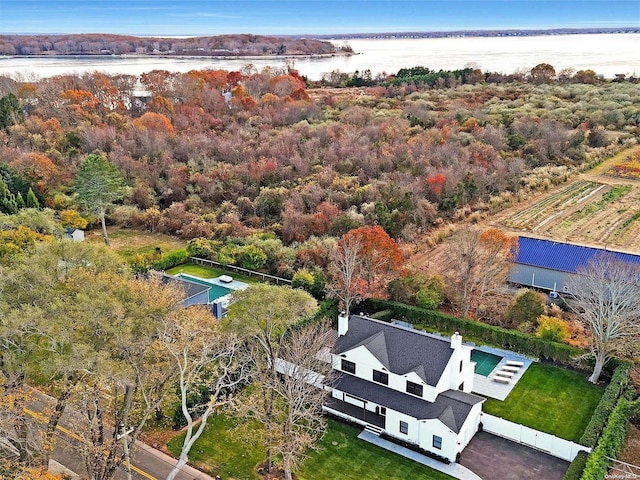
[595, 209]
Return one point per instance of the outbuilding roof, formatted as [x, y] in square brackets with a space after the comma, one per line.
[399, 349]
[564, 257]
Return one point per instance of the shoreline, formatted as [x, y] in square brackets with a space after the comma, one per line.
[186, 57]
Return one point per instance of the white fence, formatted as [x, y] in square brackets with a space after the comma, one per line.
[558, 447]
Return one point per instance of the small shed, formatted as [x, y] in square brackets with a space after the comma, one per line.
[74, 234]
[548, 265]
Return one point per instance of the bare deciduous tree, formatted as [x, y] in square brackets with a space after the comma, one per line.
[263, 314]
[346, 287]
[205, 357]
[477, 262]
[303, 366]
[606, 294]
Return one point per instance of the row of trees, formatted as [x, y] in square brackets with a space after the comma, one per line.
[103, 44]
[114, 348]
[272, 160]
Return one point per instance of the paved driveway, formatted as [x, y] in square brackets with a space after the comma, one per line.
[495, 458]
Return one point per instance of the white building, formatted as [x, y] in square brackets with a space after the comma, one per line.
[408, 384]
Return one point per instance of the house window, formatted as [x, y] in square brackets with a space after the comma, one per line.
[404, 427]
[414, 388]
[348, 366]
[381, 377]
[437, 442]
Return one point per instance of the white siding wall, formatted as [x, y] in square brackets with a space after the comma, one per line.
[452, 377]
[470, 427]
[429, 428]
[393, 426]
[366, 363]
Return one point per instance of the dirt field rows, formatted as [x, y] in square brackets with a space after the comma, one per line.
[594, 209]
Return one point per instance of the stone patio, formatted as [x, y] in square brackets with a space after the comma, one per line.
[488, 388]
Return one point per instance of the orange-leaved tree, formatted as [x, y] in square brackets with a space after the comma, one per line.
[364, 261]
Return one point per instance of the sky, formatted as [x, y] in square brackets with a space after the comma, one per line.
[284, 17]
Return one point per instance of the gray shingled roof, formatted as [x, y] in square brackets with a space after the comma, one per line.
[451, 407]
[399, 349]
[191, 289]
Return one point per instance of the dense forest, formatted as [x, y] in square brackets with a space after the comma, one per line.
[102, 44]
[255, 157]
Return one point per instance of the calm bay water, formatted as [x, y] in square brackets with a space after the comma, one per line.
[606, 54]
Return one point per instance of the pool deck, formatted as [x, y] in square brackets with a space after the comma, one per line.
[488, 388]
[233, 285]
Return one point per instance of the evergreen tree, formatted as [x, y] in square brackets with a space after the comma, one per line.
[20, 201]
[10, 111]
[7, 200]
[98, 184]
[32, 200]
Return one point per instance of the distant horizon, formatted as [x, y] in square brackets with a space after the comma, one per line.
[558, 31]
[196, 18]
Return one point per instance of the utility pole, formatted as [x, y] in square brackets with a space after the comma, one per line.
[124, 435]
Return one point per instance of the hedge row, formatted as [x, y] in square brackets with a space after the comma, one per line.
[577, 467]
[170, 260]
[610, 444]
[619, 380]
[510, 339]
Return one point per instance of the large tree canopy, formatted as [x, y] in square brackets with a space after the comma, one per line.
[98, 184]
[606, 294]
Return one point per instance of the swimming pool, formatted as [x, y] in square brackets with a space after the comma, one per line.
[485, 362]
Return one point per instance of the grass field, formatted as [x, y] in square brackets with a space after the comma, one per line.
[233, 449]
[209, 272]
[128, 242]
[550, 399]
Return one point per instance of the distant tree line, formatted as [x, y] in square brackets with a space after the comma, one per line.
[102, 44]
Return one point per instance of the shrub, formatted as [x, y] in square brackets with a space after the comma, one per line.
[552, 329]
[511, 339]
[170, 260]
[577, 467]
[527, 308]
[384, 315]
[610, 443]
[252, 257]
[611, 394]
[203, 248]
[302, 279]
[431, 295]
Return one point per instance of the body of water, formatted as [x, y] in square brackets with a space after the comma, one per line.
[606, 54]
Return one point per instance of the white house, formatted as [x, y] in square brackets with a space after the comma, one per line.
[406, 383]
[74, 234]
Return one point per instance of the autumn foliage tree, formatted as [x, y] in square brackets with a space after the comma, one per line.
[365, 260]
[477, 262]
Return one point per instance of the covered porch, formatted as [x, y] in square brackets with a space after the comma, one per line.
[334, 405]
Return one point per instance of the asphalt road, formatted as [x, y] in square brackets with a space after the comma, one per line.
[147, 463]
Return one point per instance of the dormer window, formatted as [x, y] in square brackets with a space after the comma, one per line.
[348, 366]
[381, 377]
[414, 388]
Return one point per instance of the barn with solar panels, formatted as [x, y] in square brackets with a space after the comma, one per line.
[548, 265]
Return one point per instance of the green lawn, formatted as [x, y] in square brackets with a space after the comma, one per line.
[233, 449]
[550, 399]
[343, 457]
[228, 447]
[209, 272]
